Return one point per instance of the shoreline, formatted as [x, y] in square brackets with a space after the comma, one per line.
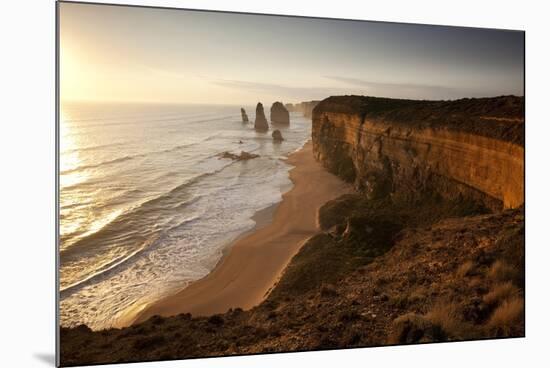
[253, 263]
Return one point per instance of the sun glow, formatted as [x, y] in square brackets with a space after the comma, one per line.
[69, 159]
[72, 76]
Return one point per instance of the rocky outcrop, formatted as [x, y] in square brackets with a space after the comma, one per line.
[470, 148]
[277, 136]
[279, 114]
[260, 124]
[243, 156]
[244, 116]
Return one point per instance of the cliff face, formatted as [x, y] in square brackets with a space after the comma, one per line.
[308, 106]
[305, 107]
[469, 148]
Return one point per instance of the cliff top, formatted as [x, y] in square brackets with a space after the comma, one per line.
[500, 117]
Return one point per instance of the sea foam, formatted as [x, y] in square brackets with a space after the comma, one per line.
[150, 207]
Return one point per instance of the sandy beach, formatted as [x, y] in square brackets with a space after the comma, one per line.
[254, 262]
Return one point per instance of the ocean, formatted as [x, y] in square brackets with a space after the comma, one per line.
[147, 206]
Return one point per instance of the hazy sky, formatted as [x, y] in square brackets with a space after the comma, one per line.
[112, 53]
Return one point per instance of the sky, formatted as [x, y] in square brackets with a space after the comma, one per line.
[132, 54]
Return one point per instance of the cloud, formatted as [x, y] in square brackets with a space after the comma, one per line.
[344, 86]
[269, 88]
[288, 93]
[403, 90]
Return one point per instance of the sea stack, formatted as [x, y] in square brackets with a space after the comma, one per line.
[279, 114]
[261, 122]
[244, 116]
[277, 136]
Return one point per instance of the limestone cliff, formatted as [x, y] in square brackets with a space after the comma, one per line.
[305, 107]
[471, 148]
[308, 106]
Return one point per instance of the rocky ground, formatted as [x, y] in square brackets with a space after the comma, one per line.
[379, 273]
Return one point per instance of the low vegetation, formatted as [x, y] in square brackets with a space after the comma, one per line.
[379, 273]
[506, 114]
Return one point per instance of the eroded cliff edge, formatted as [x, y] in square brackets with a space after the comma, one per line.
[470, 148]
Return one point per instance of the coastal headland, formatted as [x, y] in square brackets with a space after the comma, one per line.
[428, 246]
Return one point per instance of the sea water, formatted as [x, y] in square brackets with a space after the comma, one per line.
[147, 205]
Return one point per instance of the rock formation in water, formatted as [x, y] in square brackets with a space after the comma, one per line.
[244, 116]
[260, 124]
[277, 136]
[241, 157]
[279, 114]
[470, 148]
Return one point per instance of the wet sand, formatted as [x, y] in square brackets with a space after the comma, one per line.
[255, 261]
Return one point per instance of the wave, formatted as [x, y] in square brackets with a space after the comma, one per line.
[92, 148]
[103, 270]
[115, 264]
[191, 181]
[212, 119]
[124, 118]
[103, 163]
[130, 157]
[140, 211]
[133, 122]
[180, 147]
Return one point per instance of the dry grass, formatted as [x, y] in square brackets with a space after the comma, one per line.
[448, 316]
[501, 271]
[466, 269]
[501, 293]
[412, 328]
[442, 322]
[507, 319]
[475, 282]
[417, 295]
